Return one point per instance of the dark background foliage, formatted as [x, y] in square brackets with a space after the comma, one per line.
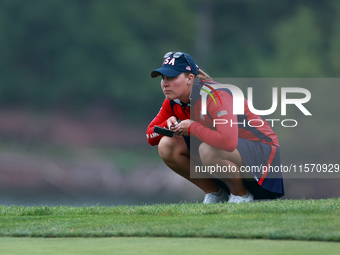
[77, 72]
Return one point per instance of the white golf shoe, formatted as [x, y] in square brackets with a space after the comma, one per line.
[241, 199]
[216, 197]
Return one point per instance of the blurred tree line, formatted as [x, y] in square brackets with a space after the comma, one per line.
[71, 54]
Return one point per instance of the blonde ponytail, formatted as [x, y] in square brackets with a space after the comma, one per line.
[203, 75]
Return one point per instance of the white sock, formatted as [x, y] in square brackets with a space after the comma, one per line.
[245, 196]
[218, 193]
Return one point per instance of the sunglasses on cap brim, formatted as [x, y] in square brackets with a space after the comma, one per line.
[178, 55]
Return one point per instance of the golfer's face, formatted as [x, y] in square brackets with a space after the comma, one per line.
[175, 87]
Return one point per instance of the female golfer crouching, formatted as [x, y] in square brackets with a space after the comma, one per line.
[199, 141]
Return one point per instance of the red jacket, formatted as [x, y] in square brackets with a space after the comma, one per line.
[222, 136]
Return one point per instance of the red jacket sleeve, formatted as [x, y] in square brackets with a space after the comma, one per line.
[223, 136]
[160, 120]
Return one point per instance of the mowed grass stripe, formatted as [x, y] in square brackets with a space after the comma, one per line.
[317, 220]
[164, 246]
[274, 206]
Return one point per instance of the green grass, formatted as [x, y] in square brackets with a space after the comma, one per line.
[164, 246]
[317, 220]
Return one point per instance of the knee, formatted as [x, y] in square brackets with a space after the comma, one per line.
[208, 154]
[165, 148]
[170, 149]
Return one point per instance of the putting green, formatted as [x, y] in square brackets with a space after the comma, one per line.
[161, 245]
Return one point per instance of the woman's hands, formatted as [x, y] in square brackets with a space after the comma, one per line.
[184, 126]
[179, 128]
[173, 125]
